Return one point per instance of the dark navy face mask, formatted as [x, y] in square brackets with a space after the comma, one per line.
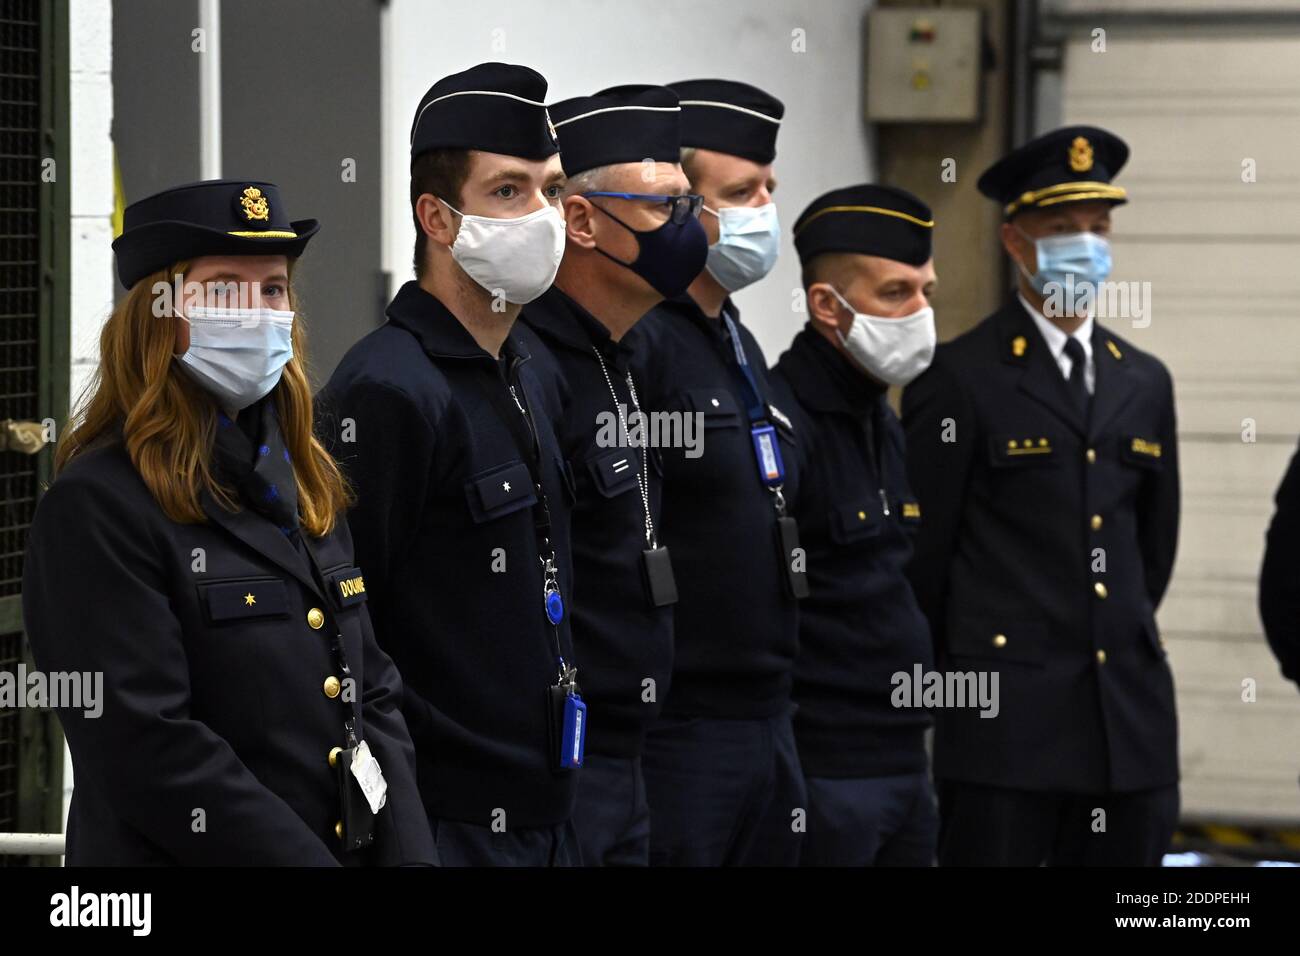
[670, 256]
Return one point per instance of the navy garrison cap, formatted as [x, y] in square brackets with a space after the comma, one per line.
[494, 107]
[623, 124]
[729, 117]
[868, 219]
[1071, 164]
[217, 217]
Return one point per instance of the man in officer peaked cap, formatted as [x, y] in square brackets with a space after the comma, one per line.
[1043, 449]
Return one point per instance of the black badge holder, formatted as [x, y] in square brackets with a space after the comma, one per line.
[771, 466]
[656, 564]
[358, 823]
[566, 713]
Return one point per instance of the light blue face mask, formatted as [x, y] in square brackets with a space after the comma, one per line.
[1084, 255]
[237, 354]
[749, 238]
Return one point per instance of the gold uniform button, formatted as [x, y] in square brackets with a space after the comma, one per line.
[999, 640]
[1092, 456]
[1096, 522]
[1101, 657]
[1100, 590]
[332, 687]
[315, 618]
[334, 756]
[338, 829]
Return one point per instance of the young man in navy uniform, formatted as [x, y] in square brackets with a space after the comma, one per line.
[462, 516]
[722, 773]
[624, 587]
[868, 274]
[1043, 449]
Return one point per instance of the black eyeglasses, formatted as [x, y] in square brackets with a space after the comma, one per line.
[680, 208]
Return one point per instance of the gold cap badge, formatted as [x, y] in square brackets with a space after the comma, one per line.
[255, 206]
[1080, 155]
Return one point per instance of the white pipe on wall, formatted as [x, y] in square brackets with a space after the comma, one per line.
[210, 90]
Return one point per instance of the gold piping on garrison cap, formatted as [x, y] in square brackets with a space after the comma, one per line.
[880, 210]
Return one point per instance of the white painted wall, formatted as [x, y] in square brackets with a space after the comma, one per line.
[90, 43]
[582, 46]
[1219, 254]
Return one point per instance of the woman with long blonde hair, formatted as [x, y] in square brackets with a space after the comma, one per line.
[190, 554]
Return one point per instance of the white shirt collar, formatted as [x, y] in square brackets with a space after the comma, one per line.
[1052, 334]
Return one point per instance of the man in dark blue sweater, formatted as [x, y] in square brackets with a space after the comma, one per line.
[444, 422]
[633, 237]
[868, 276]
[722, 774]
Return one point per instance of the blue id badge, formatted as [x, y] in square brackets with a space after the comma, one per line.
[767, 451]
[573, 737]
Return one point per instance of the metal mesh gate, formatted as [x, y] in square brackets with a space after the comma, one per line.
[20, 183]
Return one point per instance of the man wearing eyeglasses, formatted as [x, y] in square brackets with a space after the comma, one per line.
[632, 238]
[722, 774]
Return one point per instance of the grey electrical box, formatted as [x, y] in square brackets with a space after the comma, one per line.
[923, 65]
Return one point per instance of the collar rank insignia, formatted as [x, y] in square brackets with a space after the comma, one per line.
[1140, 446]
[1080, 155]
[1018, 346]
[1114, 349]
[254, 205]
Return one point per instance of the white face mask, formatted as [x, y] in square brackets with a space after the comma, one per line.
[749, 238]
[237, 354]
[513, 258]
[893, 350]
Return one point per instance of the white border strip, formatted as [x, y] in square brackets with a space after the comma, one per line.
[731, 106]
[615, 109]
[447, 96]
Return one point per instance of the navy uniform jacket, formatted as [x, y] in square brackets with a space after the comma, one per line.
[860, 624]
[444, 526]
[1023, 510]
[1279, 580]
[622, 638]
[734, 626]
[211, 702]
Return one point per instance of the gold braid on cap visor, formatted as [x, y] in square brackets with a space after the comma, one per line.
[265, 234]
[1065, 192]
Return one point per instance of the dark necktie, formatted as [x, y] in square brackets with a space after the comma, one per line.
[251, 454]
[1078, 387]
